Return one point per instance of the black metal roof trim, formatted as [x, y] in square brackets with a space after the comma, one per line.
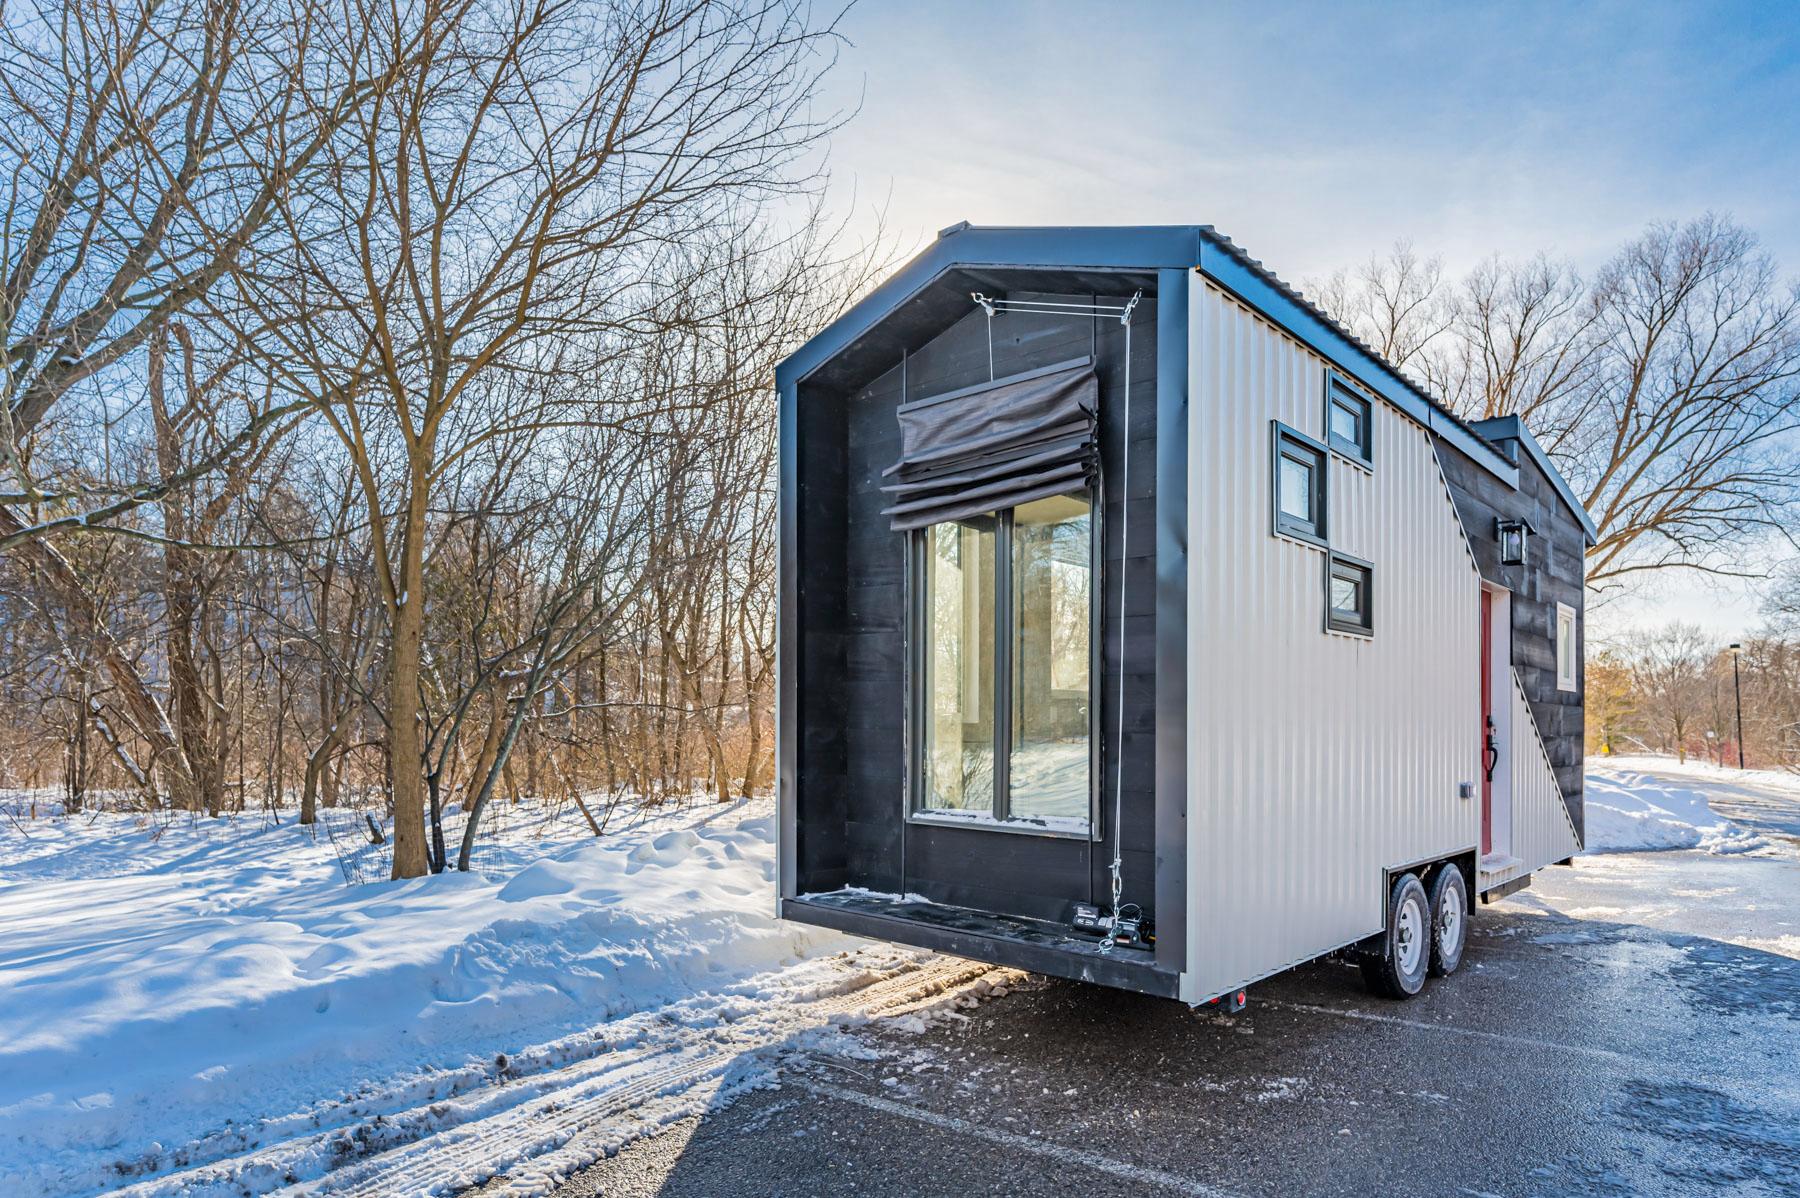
[1149, 247]
[1139, 247]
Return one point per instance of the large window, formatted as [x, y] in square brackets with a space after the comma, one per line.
[959, 665]
[1005, 613]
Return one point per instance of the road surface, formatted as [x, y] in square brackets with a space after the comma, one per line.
[1574, 1054]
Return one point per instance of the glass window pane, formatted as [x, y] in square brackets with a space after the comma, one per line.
[1296, 489]
[1349, 597]
[1346, 424]
[1052, 628]
[959, 666]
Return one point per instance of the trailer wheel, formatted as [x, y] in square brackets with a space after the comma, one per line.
[1399, 970]
[1449, 921]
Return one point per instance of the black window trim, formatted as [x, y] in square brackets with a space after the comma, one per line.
[1337, 384]
[1348, 627]
[999, 817]
[1280, 523]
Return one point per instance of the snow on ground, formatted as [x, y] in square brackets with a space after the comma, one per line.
[1630, 810]
[202, 1007]
[1744, 898]
[1727, 859]
[172, 993]
[1701, 770]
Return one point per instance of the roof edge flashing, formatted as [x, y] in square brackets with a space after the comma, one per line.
[1225, 264]
[1513, 436]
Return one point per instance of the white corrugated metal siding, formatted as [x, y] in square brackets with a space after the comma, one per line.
[1316, 760]
[1541, 829]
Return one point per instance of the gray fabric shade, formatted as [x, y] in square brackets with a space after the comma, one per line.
[995, 446]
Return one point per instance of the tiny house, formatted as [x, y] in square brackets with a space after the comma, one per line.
[1139, 625]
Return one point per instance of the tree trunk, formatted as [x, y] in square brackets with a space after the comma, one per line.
[490, 743]
[75, 775]
[502, 765]
[318, 769]
[193, 720]
[405, 752]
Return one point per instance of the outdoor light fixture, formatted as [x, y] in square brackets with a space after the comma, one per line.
[1512, 535]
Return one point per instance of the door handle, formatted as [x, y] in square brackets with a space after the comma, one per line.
[1493, 750]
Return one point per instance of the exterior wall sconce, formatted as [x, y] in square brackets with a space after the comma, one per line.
[1512, 535]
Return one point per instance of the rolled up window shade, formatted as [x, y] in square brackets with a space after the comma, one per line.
[995, 446]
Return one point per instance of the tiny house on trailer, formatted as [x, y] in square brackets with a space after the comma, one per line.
[1140, 625]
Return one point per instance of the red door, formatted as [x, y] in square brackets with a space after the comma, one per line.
[1489, 748]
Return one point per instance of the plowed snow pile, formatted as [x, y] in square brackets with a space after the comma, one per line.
[1628, 811]
[162, 987]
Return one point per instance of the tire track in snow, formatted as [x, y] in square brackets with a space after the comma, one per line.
[567, 1116]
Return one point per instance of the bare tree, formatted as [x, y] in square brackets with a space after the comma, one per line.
[506, 200]
[1665, 388]
[1522, 344]
[1782, 602]
[145, 150]
[142, 151]
[526, 267]
[1397, 303]
[1687, 447]
[1669, 670]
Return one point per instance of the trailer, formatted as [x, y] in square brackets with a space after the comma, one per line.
[1139, 625]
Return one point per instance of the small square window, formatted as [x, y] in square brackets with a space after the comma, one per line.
[1348, 597]
[1299, 486]
[1567, 651]
[1349, 420]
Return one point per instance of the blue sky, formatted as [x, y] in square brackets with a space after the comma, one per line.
[1316, 134]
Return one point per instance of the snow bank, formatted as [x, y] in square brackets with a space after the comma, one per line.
[1629, 811]
[1702, 770]
[163, 986]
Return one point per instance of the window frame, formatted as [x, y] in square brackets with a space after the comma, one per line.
[1567, 617]
[1340, 391]
[999, 817]
[1281, 524]
[1365, 628]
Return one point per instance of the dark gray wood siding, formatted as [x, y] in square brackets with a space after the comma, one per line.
[1552, 574]
[851, 765]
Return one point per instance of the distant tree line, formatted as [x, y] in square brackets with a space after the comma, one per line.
[1677, 691]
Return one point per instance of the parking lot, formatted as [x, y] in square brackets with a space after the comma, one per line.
[1572, 1054]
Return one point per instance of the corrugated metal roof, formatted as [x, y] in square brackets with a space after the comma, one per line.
[1224, 242]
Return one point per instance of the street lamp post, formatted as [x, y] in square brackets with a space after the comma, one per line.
[1737, 694]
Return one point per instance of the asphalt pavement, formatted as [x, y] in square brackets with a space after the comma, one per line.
[1569, 1056]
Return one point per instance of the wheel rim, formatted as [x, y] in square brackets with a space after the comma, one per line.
[1409, 936]
[1449, 921]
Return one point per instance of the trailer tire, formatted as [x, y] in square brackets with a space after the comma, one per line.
[1400, 969]
[1449, 920]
